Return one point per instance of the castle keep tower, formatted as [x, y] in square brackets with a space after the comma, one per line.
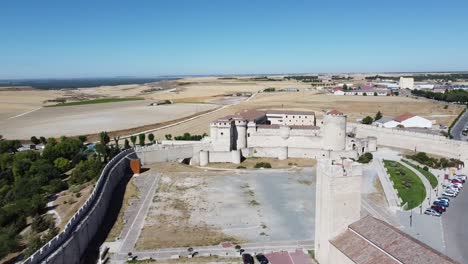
[338, 202]
[241, 129]
[334, 131]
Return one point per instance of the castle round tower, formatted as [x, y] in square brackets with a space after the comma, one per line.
[241, 129]
[334, 131]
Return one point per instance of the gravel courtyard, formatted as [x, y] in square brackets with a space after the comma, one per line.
[206, 208]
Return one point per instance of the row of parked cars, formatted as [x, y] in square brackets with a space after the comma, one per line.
[451, 190]
[249, 259]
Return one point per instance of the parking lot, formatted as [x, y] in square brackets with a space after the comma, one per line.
[454, 222]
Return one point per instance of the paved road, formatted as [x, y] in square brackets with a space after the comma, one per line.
[137, 220]
[218, 250]
[459, 126]
[456, 233]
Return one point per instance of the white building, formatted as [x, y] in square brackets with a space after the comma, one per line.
[406, 120]
[377, 92]
[406, 83]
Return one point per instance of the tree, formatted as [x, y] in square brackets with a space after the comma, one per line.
[365, 158]
[116, 141]
[83, 138]
[133, 139]
[126, 144]
[8, 240]
[345, 87]
[104, 138]
[62, 164]
[9, 146]
[168, 136]
[375, 94]
[142, 138]
[378, 116]
[396, 93]
[35, 140]
[43, 140]
[367, 120]
[151, 137]
[101, 150]
[86, 170]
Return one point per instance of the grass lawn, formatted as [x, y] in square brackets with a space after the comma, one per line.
[98, 101]
[429, 176]
[410, 188]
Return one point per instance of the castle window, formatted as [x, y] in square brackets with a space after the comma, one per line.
[222, 133]
[248, 134]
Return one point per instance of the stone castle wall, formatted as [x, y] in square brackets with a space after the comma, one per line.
[70, 244]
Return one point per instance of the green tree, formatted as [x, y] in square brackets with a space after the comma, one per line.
[142, 138]
[104, 138]
[34, 243]
[375, 94]
[367, 120]
[133, 139]
[8, 241]
[43, 140]
[168, 136]
[35, 140]
[62, 164]
[126, 144]
[116, 141]
[151, 137]
[378, 116]
[83, 138]
[9, 146]
[101, 150]
[86, 170]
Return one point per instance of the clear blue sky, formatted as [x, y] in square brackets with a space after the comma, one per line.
[98, 38]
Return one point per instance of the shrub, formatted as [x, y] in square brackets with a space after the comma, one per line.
[263, 165]
[367, 120]
[365, 158]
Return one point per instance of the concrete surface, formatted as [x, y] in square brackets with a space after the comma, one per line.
[454, 223]
[457, 129]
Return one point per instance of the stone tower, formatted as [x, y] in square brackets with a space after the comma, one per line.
[334, 131]
[338, 201]
[241, 129]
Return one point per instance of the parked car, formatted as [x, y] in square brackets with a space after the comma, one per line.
[431, 212]
[440, 203]
[463, 176]
[247, 258]
[460, 179]
[438, 208]
[262, 259]
[455, 181]
[459, 186]
[444, 198]
[449, 193]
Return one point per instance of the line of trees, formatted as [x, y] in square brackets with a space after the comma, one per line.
[454, 96]
[28, 178]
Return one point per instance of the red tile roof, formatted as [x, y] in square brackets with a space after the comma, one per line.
[334, 112]
[371, 240]
[403, 117]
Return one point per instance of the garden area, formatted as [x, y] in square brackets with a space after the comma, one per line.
[410, 188]
[424, 171]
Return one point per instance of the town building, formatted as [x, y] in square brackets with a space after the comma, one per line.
[405, 120]
[374, 92]
[406, 83]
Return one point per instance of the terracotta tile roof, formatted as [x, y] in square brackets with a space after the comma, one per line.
[369, 238]
[403, 117]
[359, 250]
[268, 126]
[334, 112]
[304, 127]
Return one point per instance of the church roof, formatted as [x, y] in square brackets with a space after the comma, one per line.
[371, 240]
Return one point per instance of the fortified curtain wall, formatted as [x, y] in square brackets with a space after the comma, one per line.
[70, 244]
[414, 141]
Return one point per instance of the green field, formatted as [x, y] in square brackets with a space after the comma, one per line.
[429, 176]
[98, 101]
[409, 186]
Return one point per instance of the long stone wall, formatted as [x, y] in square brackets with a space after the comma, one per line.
[164, 153]
[397, 138]
[70, 244]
